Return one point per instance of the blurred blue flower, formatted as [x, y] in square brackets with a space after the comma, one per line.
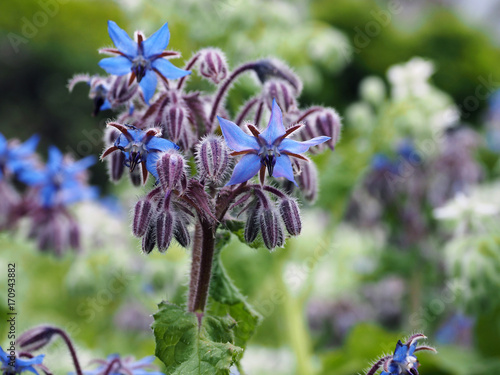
[59, 183]
[114, 365]
[406, 149]
[20, 365]
[16, 157]
[381, 162]
[271, 148]
[140, 147]
[142, 58]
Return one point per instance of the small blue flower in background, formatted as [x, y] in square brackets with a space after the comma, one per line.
[144, 58]
[403, 361]
[15, 157]
[21, 365]
[406, 149]
[114, 365]
[270, 149]
[140, 147]
[381, 162]
[60, 183]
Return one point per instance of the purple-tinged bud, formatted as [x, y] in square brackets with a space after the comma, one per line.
[251, 226]
[135, 177]
[171, 170]
[36, 338]
[212, 158]
[213, 65]
[290, 214]
[270, 227]
[116, 165]
[282, 91]
[143, 212]
[174, 121]
[149, 240]
[328, 123]
[164, 230]
[181, 232]
[308, 180]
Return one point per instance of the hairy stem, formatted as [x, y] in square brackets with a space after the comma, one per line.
[189, 65]
[225, 86]
[71, 348]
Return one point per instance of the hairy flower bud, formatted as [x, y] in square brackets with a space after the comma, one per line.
[35, 338]
[212, 158]
[282, 92]
[149, 240]
[170, 167]
[308, 180]
[181, 232]
[174, 118]
[142, 215]
[290, 213]
[213, 65]
[328, 123]
[116, 165]
[251, 226]
[270, 227]
[164, 230]
[135, 177]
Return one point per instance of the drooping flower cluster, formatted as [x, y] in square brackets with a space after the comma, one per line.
[50, 189]
[404, 360]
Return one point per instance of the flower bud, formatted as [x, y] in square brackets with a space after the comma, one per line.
[270, 227]
[308, 180]
[212, 158]
[174, 117]
[282, 91]
[328, 123]
[35, 338]
[164, 230]
[290, 214]
[251, 226]
[170, 167]
[135, 176]
[213, 65]
[149, 240]
[142, 215]
[181, 232]
[116, 165]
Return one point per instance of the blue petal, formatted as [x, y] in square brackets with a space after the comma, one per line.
[33, 361]
[30, 369]
[296, 147]
[82, 164]
[275, 128]
[148, 85]
[169, 70]
[151, 161]
[400, 352]
[160, 144]
[247, 167]
[121, 40]
[78, 193]
[236, 138]
[157, 42]
[3, 143]
[144, 361]
[105, 105]
[32, 177]
[55, 159]
[28, 146]
[118, 65]
[283, 168]
[48, 195]
[3, 355]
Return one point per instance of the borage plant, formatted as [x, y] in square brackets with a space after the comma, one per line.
[161, 130]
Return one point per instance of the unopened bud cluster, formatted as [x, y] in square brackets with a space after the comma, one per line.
[212, 159]
[213, 65]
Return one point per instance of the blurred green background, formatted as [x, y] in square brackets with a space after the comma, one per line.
[322, 297]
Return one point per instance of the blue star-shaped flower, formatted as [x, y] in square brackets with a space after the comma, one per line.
[403, 361]
[59, 183]
[140, 147]
[16, 157]
[142, 58]
[271, 148]
[20, 365]
[114, 365]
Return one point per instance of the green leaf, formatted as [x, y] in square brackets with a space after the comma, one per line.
[186, 348]
[226, 299]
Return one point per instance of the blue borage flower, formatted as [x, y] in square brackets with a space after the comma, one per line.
[16, 157]
[143, 58]
[114, 365]
[59, 183]
[270, 149]
[403, 361]
[140, 147]
[20, 365]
